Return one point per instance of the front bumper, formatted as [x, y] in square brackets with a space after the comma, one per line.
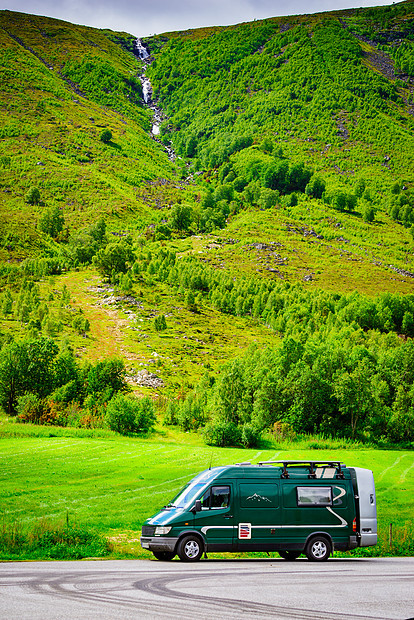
[158, 543]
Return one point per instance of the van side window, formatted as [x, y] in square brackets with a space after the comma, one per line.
[216, 497]
[314, 496]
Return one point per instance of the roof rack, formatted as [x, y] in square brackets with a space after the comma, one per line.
[312, 465]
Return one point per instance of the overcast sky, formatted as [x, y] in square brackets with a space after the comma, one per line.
[146, 17]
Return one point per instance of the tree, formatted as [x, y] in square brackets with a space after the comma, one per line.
[105, 136]
[98, 231]
[26, 366]
[114, 258]
[368, 212]
[190, 301]
[353, 393]
[82, 247]
[181, 217]
[128, 415]
[315, 187]
[107, 376]
[408, 324]
[7, 303]
[51, 222]
[268, 198]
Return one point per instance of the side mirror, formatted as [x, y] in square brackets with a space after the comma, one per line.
[197, 506]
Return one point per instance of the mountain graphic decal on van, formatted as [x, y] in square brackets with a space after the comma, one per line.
[258, 498]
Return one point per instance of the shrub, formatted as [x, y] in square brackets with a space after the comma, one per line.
[162, 232]
[29, 408]
[81, 324]
[221, 433]
[127, 415]
[160, 323]
[32, 196]
[105, 136]
[250, 435]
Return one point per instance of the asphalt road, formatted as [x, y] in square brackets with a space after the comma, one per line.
[219, 589]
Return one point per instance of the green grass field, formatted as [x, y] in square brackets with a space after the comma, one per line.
[113, 484]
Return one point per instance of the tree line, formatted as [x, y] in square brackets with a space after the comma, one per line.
[344, 366]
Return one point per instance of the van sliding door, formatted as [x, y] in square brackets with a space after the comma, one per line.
[258, 516]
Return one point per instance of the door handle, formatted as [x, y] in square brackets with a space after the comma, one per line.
[228, 516]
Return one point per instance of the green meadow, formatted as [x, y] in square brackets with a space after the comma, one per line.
[112, 484]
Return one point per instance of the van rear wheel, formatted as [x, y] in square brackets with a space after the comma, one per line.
[163, 555]
[318, 549]
[289, 555]
[190, 549]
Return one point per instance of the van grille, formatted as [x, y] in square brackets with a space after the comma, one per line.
[148, 530]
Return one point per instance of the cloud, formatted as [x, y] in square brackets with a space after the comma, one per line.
[146, 17]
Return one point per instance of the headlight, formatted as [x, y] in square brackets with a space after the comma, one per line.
[160, 531]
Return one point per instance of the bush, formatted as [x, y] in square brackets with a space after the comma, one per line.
[105, 136]
[33, 196]
[127, 415]
[29, 408]
[250, 435]
[160, 323]
[221, 433]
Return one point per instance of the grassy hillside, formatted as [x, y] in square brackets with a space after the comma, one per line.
[62, 85]
[262, 279]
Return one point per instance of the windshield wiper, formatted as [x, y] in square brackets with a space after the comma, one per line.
[170, 506]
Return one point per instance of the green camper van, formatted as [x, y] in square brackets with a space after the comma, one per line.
[292, 507]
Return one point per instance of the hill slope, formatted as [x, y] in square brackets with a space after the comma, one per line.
[285, 222]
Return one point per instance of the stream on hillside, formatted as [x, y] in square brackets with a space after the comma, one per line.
[158, 115]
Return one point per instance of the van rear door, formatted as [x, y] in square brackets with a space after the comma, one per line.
[367, 526]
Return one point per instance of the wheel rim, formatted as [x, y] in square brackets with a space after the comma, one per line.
[191, 549]
[319, 549]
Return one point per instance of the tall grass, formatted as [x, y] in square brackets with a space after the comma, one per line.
[400, 544]
[45, 540]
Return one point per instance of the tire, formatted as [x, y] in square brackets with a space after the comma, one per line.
[318, 549]
[190, 549]
[164, 555]
[289, 555]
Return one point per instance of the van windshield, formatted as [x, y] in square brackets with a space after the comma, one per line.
[194, 488]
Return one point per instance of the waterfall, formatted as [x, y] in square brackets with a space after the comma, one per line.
[142, 52]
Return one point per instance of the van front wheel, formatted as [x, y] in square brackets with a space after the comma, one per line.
[318, 549]
[190, 549]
